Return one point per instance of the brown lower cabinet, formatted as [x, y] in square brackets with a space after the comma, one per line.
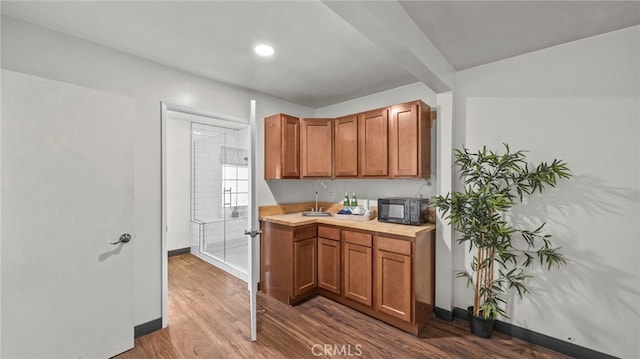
[288, 268]
[391, 278]
[304, 275]
[329, 259]
[357, 272]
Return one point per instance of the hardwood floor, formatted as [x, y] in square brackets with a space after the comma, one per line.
[209, 318]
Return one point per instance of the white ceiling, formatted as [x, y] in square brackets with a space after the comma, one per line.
[472, 33]
[328, 52]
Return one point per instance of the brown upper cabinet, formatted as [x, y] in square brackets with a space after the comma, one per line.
[281, 147]
[316, 147]
[373, 129]
[345, 149]
[409, 140]
[390, 142]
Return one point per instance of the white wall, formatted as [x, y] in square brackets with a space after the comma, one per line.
[0, 221]
[578, 102]
[35, 50]
[445, 279]
[406, 93]
[178, 183]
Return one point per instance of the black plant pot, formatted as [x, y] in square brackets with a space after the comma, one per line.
[479, 325]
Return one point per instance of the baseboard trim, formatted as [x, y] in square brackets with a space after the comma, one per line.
[179, 251]
[146, 328]
[542, 340]
[443, 314]
[460, 313]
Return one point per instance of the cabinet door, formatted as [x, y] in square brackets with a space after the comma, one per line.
[305, 266]
[316, 147]
[393, 284]
[346, 147]
[277, 261]
[410, 140]
[403, 141]
[281, 147]
[373, 142]
[357, 273]
[272, 147]
[329, 265]
[290, 147]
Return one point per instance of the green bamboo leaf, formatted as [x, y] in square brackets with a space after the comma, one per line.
[494, 181]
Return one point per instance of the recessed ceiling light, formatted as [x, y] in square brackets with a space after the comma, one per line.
[264, 50]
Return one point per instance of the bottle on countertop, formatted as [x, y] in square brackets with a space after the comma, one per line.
[345, 203]
[354, 200]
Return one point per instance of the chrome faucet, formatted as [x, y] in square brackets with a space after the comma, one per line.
[316, 209]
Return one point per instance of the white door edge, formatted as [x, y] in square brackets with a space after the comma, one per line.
[252, 279]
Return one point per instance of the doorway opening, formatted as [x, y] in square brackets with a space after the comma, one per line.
[206, 190]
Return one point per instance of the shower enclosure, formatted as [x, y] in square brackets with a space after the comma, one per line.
[219, 196]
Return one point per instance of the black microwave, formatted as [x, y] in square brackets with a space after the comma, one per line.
[412, 211]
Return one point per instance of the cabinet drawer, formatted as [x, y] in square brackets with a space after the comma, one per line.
[329, 232]
[394, 245]
[305, 233]
[359, 238]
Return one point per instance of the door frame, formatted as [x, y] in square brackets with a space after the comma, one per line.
[164, 108]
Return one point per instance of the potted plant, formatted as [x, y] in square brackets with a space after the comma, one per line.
[493, 184]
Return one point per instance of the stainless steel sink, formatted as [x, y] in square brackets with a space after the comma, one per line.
[316, 214]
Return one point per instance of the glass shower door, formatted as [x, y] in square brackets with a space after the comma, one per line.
[235, 183]
[220, 195]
